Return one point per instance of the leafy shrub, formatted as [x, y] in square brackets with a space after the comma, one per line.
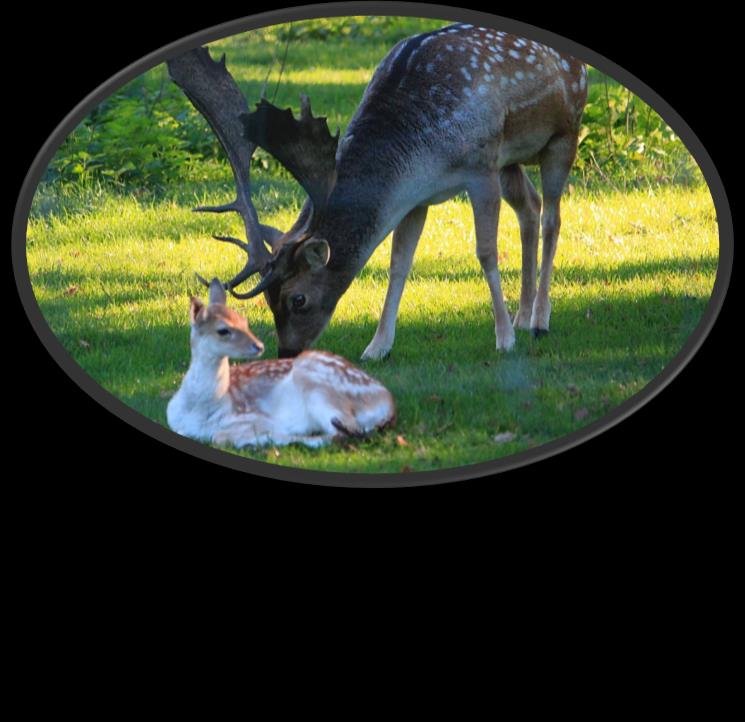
[139, 135]
[624, 141]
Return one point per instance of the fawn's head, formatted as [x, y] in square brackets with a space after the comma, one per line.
[218, 331]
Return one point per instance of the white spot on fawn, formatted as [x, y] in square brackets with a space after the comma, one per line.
[514, 54]
[466, 74]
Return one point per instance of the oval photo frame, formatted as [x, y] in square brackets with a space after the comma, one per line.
[134, 418]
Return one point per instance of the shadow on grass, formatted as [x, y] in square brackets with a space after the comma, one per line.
[442, 270]
[624, 340]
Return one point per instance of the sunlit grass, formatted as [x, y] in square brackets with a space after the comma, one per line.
[633, 274]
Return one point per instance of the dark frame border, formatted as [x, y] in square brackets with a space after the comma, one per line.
[162, 434]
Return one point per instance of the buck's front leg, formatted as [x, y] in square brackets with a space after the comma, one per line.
[485, 200]
[405, 239]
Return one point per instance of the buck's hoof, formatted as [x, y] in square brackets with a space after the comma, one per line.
[538, 332]
[371, 353]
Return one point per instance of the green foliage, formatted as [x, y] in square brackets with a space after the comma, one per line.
[140, 135]
[377, 27]
[625, 143]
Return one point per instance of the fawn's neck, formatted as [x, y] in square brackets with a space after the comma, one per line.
[208, 379]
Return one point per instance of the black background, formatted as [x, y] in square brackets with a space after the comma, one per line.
[679, 447]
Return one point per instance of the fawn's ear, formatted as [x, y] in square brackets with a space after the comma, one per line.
[315, 252]
[217, 292]
[197, 306]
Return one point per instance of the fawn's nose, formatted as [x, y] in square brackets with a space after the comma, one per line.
[254, 347]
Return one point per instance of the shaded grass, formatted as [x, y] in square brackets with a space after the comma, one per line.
[633, 275]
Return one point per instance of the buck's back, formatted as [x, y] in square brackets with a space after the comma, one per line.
[456, 88]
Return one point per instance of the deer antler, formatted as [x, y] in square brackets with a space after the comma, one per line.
[305, 147]
[213, 92]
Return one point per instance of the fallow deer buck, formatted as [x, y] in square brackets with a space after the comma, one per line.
[457, 109]
[311, 399]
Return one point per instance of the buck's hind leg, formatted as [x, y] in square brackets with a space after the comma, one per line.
[485, 199]
[405, 239]
[521, 195]
[556, 162]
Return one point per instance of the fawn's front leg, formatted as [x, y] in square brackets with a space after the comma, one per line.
[255, 433]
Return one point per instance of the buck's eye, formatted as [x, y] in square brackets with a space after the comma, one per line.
[298, 301]
[223, 331]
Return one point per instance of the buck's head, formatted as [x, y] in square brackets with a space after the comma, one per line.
[218, 331]
[302, 295]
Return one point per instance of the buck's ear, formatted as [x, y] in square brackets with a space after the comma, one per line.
[197, 306]
[315, 252]
[217, 292]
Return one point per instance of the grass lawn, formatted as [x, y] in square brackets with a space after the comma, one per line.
[633, 274]
[112, 272]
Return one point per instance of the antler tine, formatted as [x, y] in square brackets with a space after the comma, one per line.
[213, 92]
[234, 241]
[265, 282]
[202, 280]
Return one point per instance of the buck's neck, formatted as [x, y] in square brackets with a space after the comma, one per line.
[374, 190]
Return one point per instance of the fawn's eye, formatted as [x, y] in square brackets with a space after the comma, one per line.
[298, 301]
[223, 331]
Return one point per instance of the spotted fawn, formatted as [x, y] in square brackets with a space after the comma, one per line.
[311, 399]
